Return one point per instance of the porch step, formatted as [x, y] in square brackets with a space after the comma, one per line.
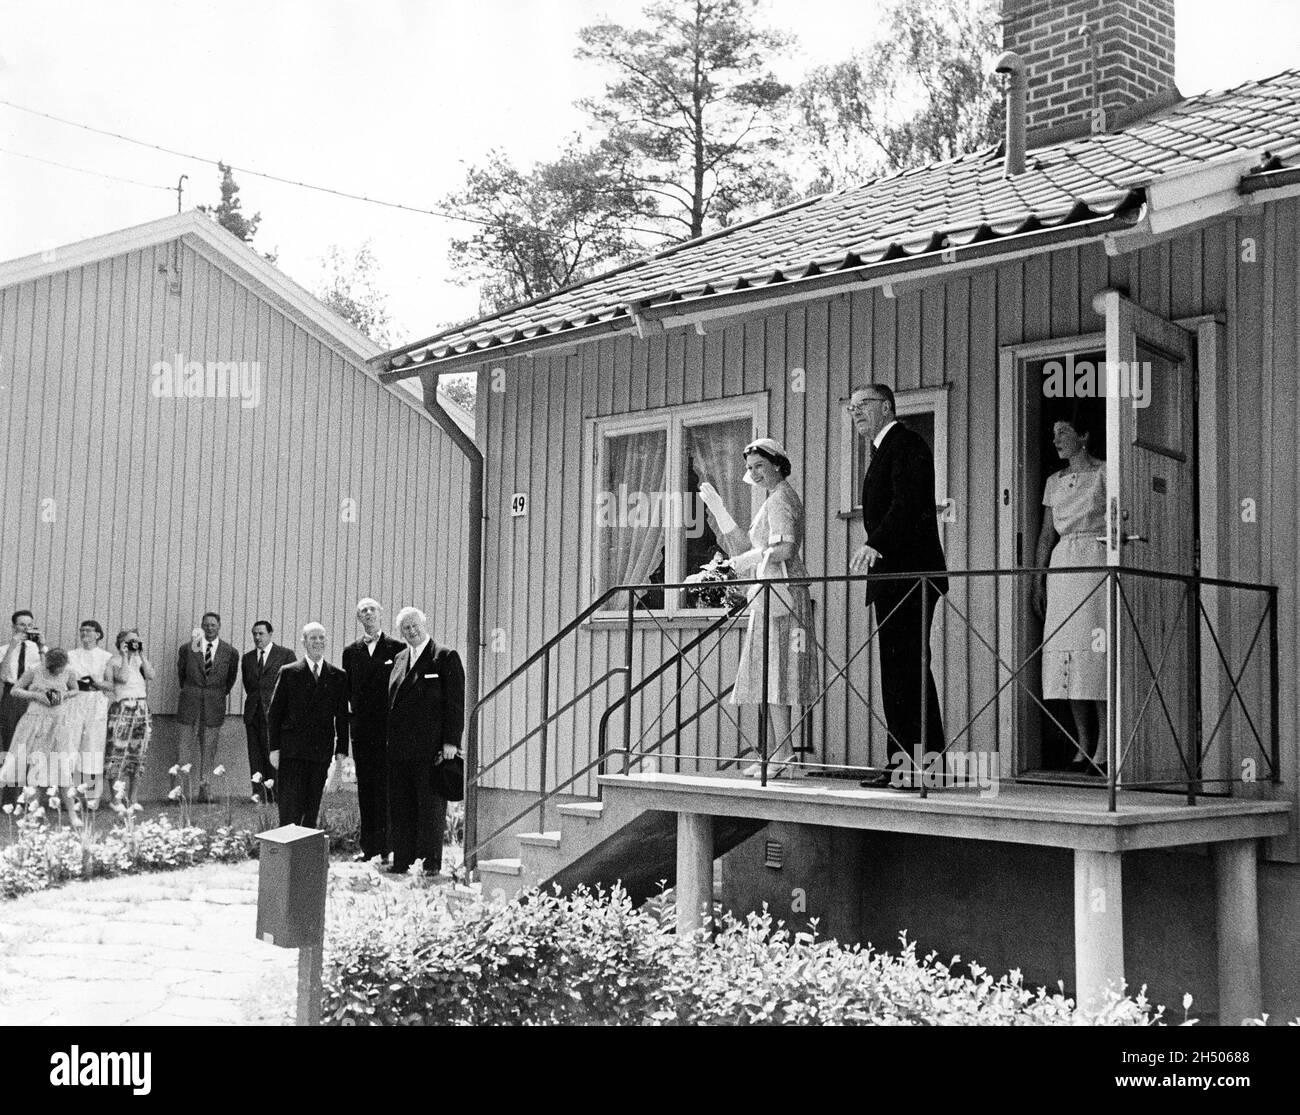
[540, 839]
[590, 810]
[501, 866]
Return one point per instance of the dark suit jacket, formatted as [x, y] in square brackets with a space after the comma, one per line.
[309, 719]
[426, 704]
[368, 673]
[258, 688]
[898, 512]
[205, 695]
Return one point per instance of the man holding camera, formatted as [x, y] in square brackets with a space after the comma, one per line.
[25, 649]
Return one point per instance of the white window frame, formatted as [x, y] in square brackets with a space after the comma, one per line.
[923, 401]
[674, 420]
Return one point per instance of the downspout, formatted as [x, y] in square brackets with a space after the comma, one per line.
[474, 596]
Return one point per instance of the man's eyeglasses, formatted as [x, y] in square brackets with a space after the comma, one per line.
[861, 405]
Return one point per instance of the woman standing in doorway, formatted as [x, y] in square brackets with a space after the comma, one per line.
[1074, 604]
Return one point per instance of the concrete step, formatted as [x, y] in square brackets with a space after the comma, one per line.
[589, 810]
[540, 839]
[500, 867]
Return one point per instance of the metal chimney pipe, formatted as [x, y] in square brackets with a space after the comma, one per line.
[1011, 64]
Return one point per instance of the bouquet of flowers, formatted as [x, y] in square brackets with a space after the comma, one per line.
[712, 581]
[54, 696]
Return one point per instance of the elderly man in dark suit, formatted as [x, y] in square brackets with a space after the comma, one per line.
[426, 716]
[902, 536]
[307, 726]
[369, 663]
[208, 668]
[259, 668]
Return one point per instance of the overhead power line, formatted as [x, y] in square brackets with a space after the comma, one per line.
[255, 173]
[83, 170]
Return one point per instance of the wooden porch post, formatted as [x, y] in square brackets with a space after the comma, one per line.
[694, 871]
[1237, 924]
[1098, 926]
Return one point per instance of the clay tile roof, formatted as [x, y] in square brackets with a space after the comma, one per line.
[913, 213]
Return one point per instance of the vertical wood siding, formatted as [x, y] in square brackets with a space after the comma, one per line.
[166, 508]
[946, 333]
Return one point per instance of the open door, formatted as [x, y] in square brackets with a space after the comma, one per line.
[1152, 515]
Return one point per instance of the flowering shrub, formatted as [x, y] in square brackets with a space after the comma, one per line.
[47, 852]
[594, 959]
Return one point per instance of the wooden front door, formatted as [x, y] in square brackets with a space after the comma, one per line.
[1152, 512]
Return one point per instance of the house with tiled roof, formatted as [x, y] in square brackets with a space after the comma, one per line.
[1126, 262]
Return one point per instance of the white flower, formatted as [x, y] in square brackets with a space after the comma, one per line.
[29, 792]
[186, 768]
[37, 811]
[119, 808]
[8, 808]
[254, 798]
[94, 804]
[137, 808]
[219, 771]
[270, 782]
[119, 787]
[82, 788]
[173, 770]
[257, 777]
[175, 793]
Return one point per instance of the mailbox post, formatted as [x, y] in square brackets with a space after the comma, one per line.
[293, 866]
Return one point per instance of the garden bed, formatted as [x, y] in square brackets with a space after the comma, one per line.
[406, 956]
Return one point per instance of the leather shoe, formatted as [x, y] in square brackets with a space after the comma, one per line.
[876, 780]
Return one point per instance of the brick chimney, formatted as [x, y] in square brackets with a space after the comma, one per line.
[1128, 46]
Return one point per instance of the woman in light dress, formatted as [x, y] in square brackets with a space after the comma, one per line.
[41, 754]
[771, 550]
[88, 715]
[129, 723]
[1074, 604]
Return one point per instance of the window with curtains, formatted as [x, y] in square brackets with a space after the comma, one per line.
[648, 524]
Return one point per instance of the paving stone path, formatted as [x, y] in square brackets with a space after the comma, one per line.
[175, 948]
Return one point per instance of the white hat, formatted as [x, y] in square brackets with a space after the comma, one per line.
[768, 447]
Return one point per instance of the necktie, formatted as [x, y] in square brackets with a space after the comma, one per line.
[315, 671]
[261, 661]
[207, 659]
[22, 660]
[871, 452]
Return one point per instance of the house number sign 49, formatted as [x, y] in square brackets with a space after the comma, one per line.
[519, 505]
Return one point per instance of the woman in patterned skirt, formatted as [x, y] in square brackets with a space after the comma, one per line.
[771, 551]
[129, 726]
[40, 753]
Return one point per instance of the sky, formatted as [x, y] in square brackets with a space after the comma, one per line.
[390, 99]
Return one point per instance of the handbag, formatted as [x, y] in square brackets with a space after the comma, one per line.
[780, 597]
[448, 779]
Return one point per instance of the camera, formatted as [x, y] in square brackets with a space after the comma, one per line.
[135, 646]
[34, 637]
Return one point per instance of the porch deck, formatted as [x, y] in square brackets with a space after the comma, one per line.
[1055, 816]
[1019, 813]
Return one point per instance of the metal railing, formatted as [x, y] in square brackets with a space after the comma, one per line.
[1163, 696]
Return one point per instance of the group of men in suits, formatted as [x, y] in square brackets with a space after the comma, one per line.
[902, 536]
[399, 705]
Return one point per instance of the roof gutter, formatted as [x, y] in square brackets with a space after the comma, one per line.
[888, 274]
[474, 589]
